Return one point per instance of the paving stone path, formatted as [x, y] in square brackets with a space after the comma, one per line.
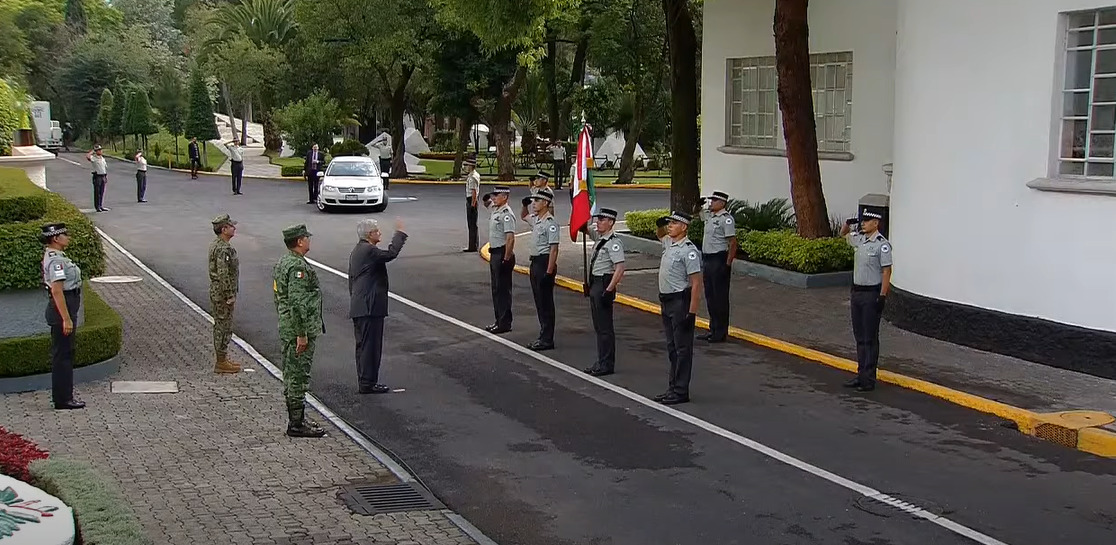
[211, 463]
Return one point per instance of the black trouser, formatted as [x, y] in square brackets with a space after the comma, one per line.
[99, 190]
[501, 274]
[62, 347]
[542, 287]
[866, 312]
[237, 175]
[600, 304]
[141, 184]
[559, 173]
[678, 326]
[471, 222]
[195, 164]
[369, 331]
[717, 276]
[312, 185]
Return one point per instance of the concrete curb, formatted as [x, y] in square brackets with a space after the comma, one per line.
[401, 181]
[1059, 427]
[86, 373]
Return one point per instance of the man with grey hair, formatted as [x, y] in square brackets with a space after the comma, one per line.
[368, 299]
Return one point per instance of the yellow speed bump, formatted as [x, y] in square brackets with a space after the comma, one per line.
[1074, 429]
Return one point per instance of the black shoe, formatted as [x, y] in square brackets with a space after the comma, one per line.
[305, 429]
[662, 396]
[674, 399]
[865, 388]
[105, 209]
[142, 200]
[499, 329]
[704, 337]
[375, 389]
[468, 250]
[716, 340]
[598, 372]
[539, 346]
[309, 202]
[854, 383]
[70, 405]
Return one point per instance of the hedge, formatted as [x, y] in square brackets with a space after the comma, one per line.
[438, 155]
[97, 339]
[20, 200]
[291, 170]
[348, 147]
[101, 513]
[787, 250]
[19, 242]
[641, 223]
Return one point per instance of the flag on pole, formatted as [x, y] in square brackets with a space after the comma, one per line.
[584, 196]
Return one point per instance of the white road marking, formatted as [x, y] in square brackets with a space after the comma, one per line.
[707, 426]
[75, 163]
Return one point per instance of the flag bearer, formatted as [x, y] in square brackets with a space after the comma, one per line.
[544, 266]
[679, 292]
[606, 269]
[718, 248]
[871, 282]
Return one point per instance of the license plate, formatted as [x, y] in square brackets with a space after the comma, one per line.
[351, 197]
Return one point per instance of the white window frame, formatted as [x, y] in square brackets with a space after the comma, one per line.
[759, 129]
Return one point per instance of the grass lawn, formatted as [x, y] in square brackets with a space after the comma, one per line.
[214, 157]
[292, 161]
[443, 169]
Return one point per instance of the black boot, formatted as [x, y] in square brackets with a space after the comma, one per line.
[299, 426]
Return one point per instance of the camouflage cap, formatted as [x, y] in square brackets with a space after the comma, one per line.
[295, 231]
[223, 219]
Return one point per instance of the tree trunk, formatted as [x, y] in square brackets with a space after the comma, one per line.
[398, 110]
[273, 140]
[792, 62]
[627, 157]
[550, 72]
[462, 145]
[577, 79]
[244, 123]
[501, 122]
[682, 41]
[229, 109]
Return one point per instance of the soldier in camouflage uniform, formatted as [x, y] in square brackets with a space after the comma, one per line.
[224, 281]
[298, 300]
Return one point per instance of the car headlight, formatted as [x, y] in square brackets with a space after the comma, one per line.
[372, 189]
[328, 188]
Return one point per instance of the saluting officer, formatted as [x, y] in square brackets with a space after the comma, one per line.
[224, 284]
[718, 248]
[472, 194]
[606, 269]
[501, 264]
[544, 265]
[871, 282]
[679, 292]
[62, 280]
[298, 301]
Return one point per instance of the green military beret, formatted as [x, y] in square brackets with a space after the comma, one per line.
[295, 231]
[223, 219]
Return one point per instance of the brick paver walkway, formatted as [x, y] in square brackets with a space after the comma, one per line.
[211, 464]
[819, 319]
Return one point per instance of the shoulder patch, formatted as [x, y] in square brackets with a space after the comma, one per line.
[507, 218]
[728, 220]
[553, 228]
[692, 256]
[616, 247]
[298, 274]
[57, 266]
[885, 248]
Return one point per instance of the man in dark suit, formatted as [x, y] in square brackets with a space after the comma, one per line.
[195, 158]
[368, 299]
[313, 163]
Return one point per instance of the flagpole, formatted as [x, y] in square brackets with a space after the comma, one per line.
[585, 259]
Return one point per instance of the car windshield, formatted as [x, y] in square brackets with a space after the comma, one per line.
[352, 168]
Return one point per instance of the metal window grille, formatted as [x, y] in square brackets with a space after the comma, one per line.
[1089, 95]
[754, 120]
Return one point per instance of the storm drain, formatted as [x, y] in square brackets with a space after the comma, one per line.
[886, 505]
[373, 499]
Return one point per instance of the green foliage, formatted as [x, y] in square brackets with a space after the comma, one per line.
[21, 202]
[97, 339]
[348, 147]
[102, 125]
[101, 61]
[444, 141]
[75, 15]
[101, 512]
[200, 123]
[291, 170]
[170, 100]
[247, 68]
[119, 113]
[9, 117]
[310, 121]
[772, 215]
[465, 75]
[139, 119]
[264, 22]
[787, 250]
[641, 223]
[19, 242]
[505, 25]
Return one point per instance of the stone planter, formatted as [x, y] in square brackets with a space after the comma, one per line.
[757, 270]
[32, 159]
[86, 373]
[24, 137]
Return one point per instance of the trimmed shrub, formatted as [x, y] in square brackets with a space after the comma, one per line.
[787, 250]
[16, 454]
[101, 513]
[20, 200]
[641, 223]
[19, 242]
[291, 170]
[444, 141]
[97, 339]
[439, 155]
[348, 147]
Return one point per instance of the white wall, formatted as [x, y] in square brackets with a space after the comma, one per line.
[744, 28]
[976, 90]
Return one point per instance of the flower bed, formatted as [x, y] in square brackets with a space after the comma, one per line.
[16, 455]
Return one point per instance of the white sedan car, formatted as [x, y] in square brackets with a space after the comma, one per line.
[353, 181]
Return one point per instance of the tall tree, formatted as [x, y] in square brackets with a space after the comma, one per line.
[119, 113]
[247, 69]
[140, 120]
[102, 127]
[170, 100]
[200, 123]
[75, 16]
[792, 63]
[683, 45]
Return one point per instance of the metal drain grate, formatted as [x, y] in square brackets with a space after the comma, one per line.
[373, 499]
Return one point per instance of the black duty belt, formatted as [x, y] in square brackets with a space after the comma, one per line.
[674, 296]
[860, 287]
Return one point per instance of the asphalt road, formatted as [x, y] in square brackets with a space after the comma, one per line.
[535, 455]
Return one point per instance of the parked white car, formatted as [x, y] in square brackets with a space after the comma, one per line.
[353, 181]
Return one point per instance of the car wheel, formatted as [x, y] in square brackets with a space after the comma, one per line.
[322, 205]
[380, 207]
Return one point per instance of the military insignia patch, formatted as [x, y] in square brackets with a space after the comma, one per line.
[728, 220]
[57, 266]
[885, 248]
[693, 255]
[298, 274]
[616, 247]
[553, 228]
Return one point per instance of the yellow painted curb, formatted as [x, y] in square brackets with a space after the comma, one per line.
[1093, 440]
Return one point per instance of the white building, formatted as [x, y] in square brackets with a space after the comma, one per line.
[999, 117]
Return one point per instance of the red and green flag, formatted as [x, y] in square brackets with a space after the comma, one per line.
[584, 196]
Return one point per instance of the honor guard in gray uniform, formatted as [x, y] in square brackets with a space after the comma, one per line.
[871, 282]
[501, 261]
[606, 269]
[679, 291]
[472, 195]
[544, 265]
[62, 281]
[718, 248]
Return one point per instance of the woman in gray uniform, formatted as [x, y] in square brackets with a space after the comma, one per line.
[62, 280]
